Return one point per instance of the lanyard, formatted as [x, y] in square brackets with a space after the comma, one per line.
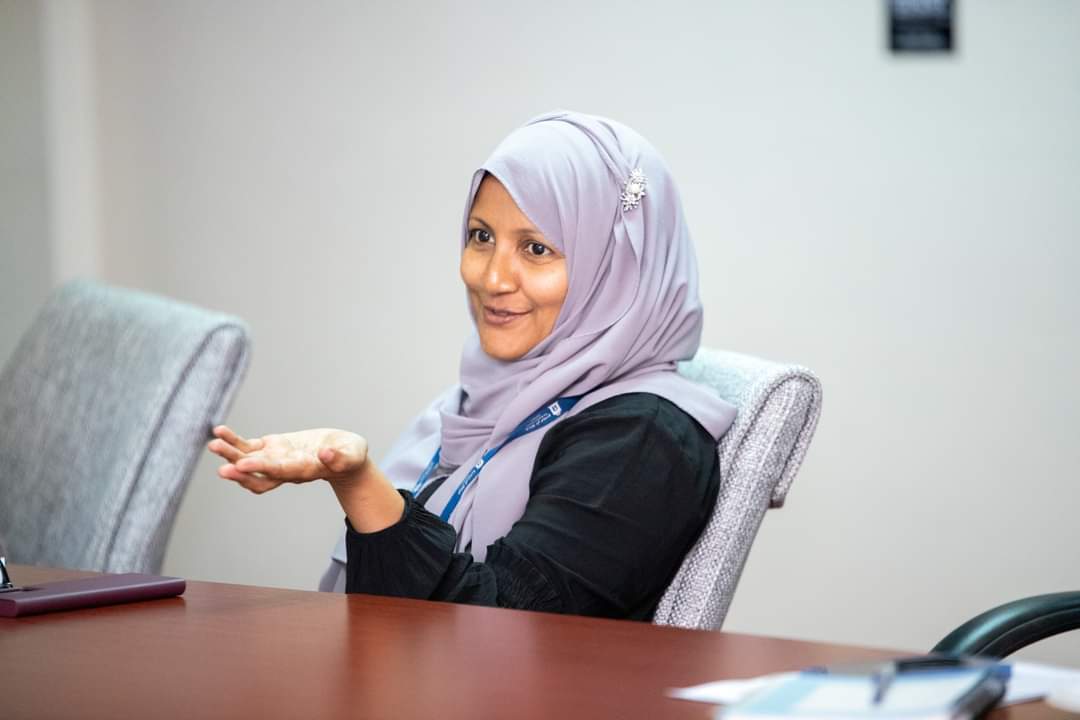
[540, 418]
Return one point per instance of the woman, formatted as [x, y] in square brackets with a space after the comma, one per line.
[572, 468]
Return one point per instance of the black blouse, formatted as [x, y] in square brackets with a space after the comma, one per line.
[618, 495]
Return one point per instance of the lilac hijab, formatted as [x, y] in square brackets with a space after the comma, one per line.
[631, 313]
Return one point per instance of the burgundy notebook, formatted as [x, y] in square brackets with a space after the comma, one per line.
[88, 592]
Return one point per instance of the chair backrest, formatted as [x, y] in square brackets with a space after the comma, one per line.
[105, 406]
[778, 407]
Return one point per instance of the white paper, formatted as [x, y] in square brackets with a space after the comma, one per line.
[1029, 681]
[907, 695]
[725, 692]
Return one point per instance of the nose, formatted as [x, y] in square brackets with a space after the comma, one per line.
[500, 275]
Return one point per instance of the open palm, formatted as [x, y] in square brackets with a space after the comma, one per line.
[264, 463]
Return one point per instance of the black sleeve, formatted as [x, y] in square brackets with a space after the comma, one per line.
[618, 495]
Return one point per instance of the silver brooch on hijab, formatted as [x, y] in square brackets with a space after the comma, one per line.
[633, 190]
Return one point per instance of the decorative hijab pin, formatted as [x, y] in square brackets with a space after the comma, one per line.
[633, 190]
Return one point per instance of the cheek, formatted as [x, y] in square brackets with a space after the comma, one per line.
[549, 288]
[470, 270]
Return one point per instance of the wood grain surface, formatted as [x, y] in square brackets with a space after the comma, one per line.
[235, 651]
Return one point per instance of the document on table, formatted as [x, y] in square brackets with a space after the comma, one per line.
[1032, 681]
[1029, 681]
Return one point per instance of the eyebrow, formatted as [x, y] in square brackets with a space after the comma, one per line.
[516, 231]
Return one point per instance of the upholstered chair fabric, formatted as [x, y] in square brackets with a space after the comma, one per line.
[105, 406]
[778, 407]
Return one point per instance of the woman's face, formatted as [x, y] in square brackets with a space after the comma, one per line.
[515, 278]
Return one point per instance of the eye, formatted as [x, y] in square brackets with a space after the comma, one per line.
[480, 235]
[538, 249]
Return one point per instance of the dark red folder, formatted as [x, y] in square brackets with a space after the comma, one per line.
[88, 592]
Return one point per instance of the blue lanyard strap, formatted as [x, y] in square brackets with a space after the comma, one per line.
[540, 418]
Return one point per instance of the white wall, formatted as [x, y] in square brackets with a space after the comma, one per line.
[48, 156]
[25, 258]
[905, 226]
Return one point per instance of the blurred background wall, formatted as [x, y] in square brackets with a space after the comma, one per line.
[908, 227]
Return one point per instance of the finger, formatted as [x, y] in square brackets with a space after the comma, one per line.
[229, 472]
[334, 460]
[227, 434]
[258, 463]
[254, 483]
[327, 456]
[225, 450]
[340, 460]
[343, 452]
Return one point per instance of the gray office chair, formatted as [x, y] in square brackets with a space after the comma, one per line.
[778, 407]
[105, 406]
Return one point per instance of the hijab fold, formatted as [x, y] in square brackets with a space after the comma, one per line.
[631, 313]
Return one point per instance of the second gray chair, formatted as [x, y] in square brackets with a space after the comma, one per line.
[778, 408]
[105, 407]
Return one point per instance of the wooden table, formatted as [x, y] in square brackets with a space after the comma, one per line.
[238, 651]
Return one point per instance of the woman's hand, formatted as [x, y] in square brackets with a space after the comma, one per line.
[338, 456]
[265, 463]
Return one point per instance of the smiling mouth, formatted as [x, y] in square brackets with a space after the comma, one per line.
[500, 317]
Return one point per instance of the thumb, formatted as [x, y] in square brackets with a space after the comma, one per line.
[341, 457]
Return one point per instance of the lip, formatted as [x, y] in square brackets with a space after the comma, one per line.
[498, 317]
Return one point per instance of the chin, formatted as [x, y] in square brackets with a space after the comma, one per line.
[504, 355]
[502, 351]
